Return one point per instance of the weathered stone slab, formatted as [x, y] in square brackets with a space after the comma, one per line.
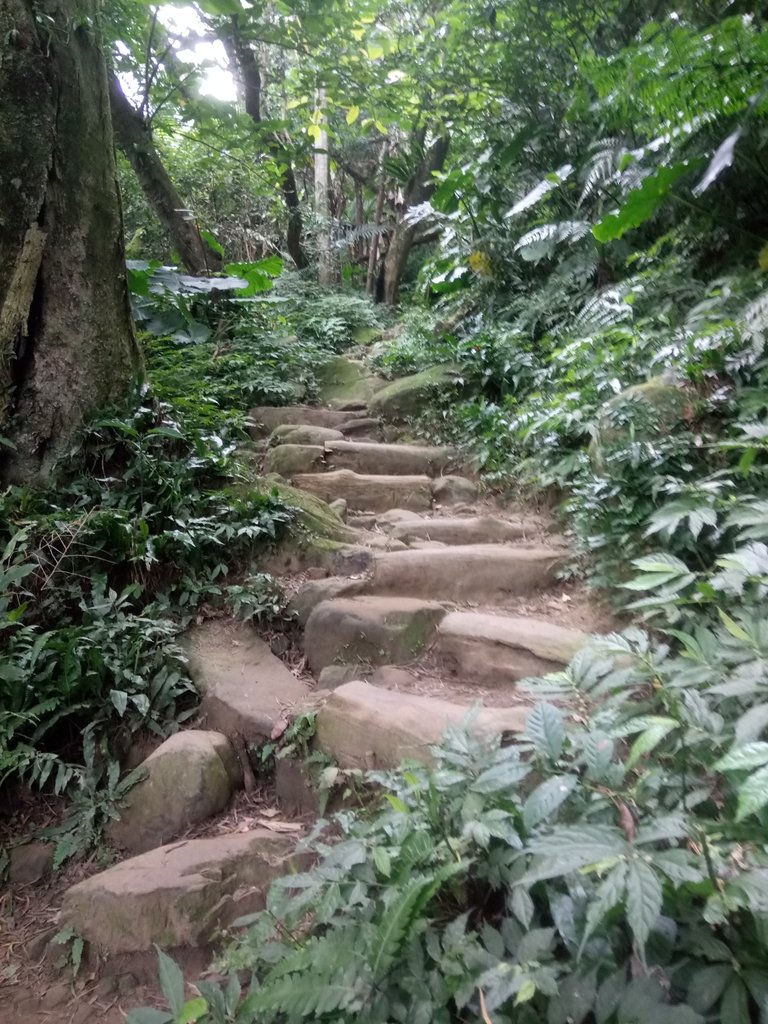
[453, 490]
[189, 778]
[264, 418]
[288, 459]
[288, 433]
[464, 530]
[494, 650]
[388, 459]
[245, 687]
[362, 726]
[177, 895]
[405, 398]
[370, 630]
[485, 573]
[369, 493]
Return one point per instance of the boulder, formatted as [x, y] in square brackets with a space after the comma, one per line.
[290, 434]
[369, 630]
[347, 384]
[314, 514]
[339, 506]
[368, 493]
[494, 650]
[333, 676]
[245, 688]
[388, 459]
[367, 425]
[453, 490]
[362, 726]
[405, 398]
[177, 895]
[30, 863]
[288, 459]
[314, 592]
[264, 418]
[485, 573]
[189, 778]
[648, 410]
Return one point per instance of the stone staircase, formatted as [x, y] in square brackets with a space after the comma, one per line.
[408, 621]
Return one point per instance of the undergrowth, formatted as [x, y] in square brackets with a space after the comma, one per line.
[151, 524]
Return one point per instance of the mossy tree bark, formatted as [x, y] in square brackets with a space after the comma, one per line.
[419, 190]
[66, 342]
[134, 138]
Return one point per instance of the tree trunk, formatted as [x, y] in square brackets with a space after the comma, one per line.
[326, 271]
[373, 254]
[66, 341]
[420, 188]
[247, 71]
[134, 139]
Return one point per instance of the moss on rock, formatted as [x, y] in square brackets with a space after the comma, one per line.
[404, 398]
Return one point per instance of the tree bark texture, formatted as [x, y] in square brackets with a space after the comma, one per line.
[247, 68]
[326, 269]
[373, 254]
[420, 188]
[66, 340]
[135, 140]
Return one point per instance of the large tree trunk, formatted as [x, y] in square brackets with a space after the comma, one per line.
[133, 137]
[248, 72]
[66, 341]
[326, 270]
[420, 188]
[378, 216]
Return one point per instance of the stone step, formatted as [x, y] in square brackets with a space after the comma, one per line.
[289, 433]
[466, 530]
[368, 492]
[177, 895]
[494, 650]
[388, 459]
[289, 459]
[264, 418]
[369, 630]
[363, 425]
[363, 726]
[245, 688]
[484, 573]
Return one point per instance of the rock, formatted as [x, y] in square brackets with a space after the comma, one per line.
[369, 493]
[396, 515]
[362, 726]
[264, 418]
[362, 520]
[382, 542]
[177, 895]
[290, 434]
[339, 506]
[369, 630]
[388, 459]
[313, 592]
[364, 425]
[245, 687]
[30, 863]
[347, 384]
[405, 398]
[305, 555]
[293, 788]
[652, 408]
[288, 459]
[487, 573]
[471, 530]
[453, 490]
[190, 777]
[314, 514]
[494, 650]
[333, 676]
[366, 335]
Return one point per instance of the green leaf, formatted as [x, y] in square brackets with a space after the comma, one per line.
[571, 848]
[735, 1005]
[751, 755]
[382, 860]
[736, 631]
[119, 700]
[609, 893]
[650, 739]
[547, 797]
[707, 986]
[171, 981]
[753, 794]
[545, 728]
[148, 1015]
[192, 1011]
[641, 203]
[644, 899]
[352, 114]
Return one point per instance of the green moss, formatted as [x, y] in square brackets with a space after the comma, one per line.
[405, 397]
